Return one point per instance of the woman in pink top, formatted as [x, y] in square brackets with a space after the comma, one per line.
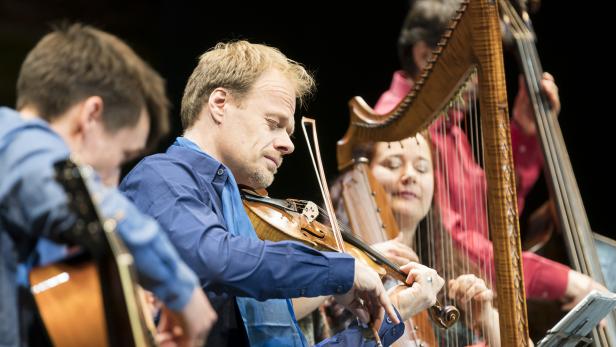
[543, 278]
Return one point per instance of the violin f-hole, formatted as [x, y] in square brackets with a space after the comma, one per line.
[316, 232]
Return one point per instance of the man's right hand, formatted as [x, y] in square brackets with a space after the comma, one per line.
[190, 326]
[368, 298]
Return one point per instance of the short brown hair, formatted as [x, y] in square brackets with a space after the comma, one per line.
[77, 61]
[236, 66]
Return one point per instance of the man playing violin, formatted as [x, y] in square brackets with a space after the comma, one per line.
[238, 115]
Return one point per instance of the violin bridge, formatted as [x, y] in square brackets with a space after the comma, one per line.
[310, 211]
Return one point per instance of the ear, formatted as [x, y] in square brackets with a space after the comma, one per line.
[90, 114]
[421, 53]
[217, 102]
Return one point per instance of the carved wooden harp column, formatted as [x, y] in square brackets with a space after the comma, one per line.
[471, 43]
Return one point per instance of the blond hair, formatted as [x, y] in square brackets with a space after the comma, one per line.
[236, 66]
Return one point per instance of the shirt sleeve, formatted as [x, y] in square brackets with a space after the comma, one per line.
[237, 265]
[528, 161]
[158, 264]
[34, 204]
[353, 335]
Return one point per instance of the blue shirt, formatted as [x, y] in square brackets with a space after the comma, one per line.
[267, 322]
[182, 189]
[34, 205]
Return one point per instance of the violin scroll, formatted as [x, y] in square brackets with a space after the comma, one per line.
[445, 317]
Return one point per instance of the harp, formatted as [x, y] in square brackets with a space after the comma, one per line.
[472, 43]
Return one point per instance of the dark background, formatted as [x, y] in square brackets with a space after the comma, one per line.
[352, 51]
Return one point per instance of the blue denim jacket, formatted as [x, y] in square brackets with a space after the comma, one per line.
[33, 205]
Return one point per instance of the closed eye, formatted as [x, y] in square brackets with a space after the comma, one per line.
[273, 124]
[422, 166]
[392, 163]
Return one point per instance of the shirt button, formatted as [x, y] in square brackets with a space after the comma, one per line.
[388, 320]
[339, 289]
[220, 172]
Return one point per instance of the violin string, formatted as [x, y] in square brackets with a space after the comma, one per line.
[348, 230]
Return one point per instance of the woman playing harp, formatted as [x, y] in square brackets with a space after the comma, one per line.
[405, 172]
[461, 177]
[470, 49]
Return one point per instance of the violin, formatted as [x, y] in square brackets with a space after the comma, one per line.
[296, 220]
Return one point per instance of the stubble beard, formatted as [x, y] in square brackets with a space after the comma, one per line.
[261, 178]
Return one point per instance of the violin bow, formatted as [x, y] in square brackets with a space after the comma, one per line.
[320, 173]
[317, 164]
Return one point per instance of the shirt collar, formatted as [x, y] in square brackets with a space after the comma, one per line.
[204, 165]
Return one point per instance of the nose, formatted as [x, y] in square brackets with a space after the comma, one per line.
[409, 175]
[283, 143]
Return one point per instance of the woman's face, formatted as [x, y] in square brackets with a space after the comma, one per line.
[405, 170]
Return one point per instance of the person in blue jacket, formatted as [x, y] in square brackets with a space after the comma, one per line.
[84, 93]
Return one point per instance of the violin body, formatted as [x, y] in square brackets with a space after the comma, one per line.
[280, 225]
[281, 220]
